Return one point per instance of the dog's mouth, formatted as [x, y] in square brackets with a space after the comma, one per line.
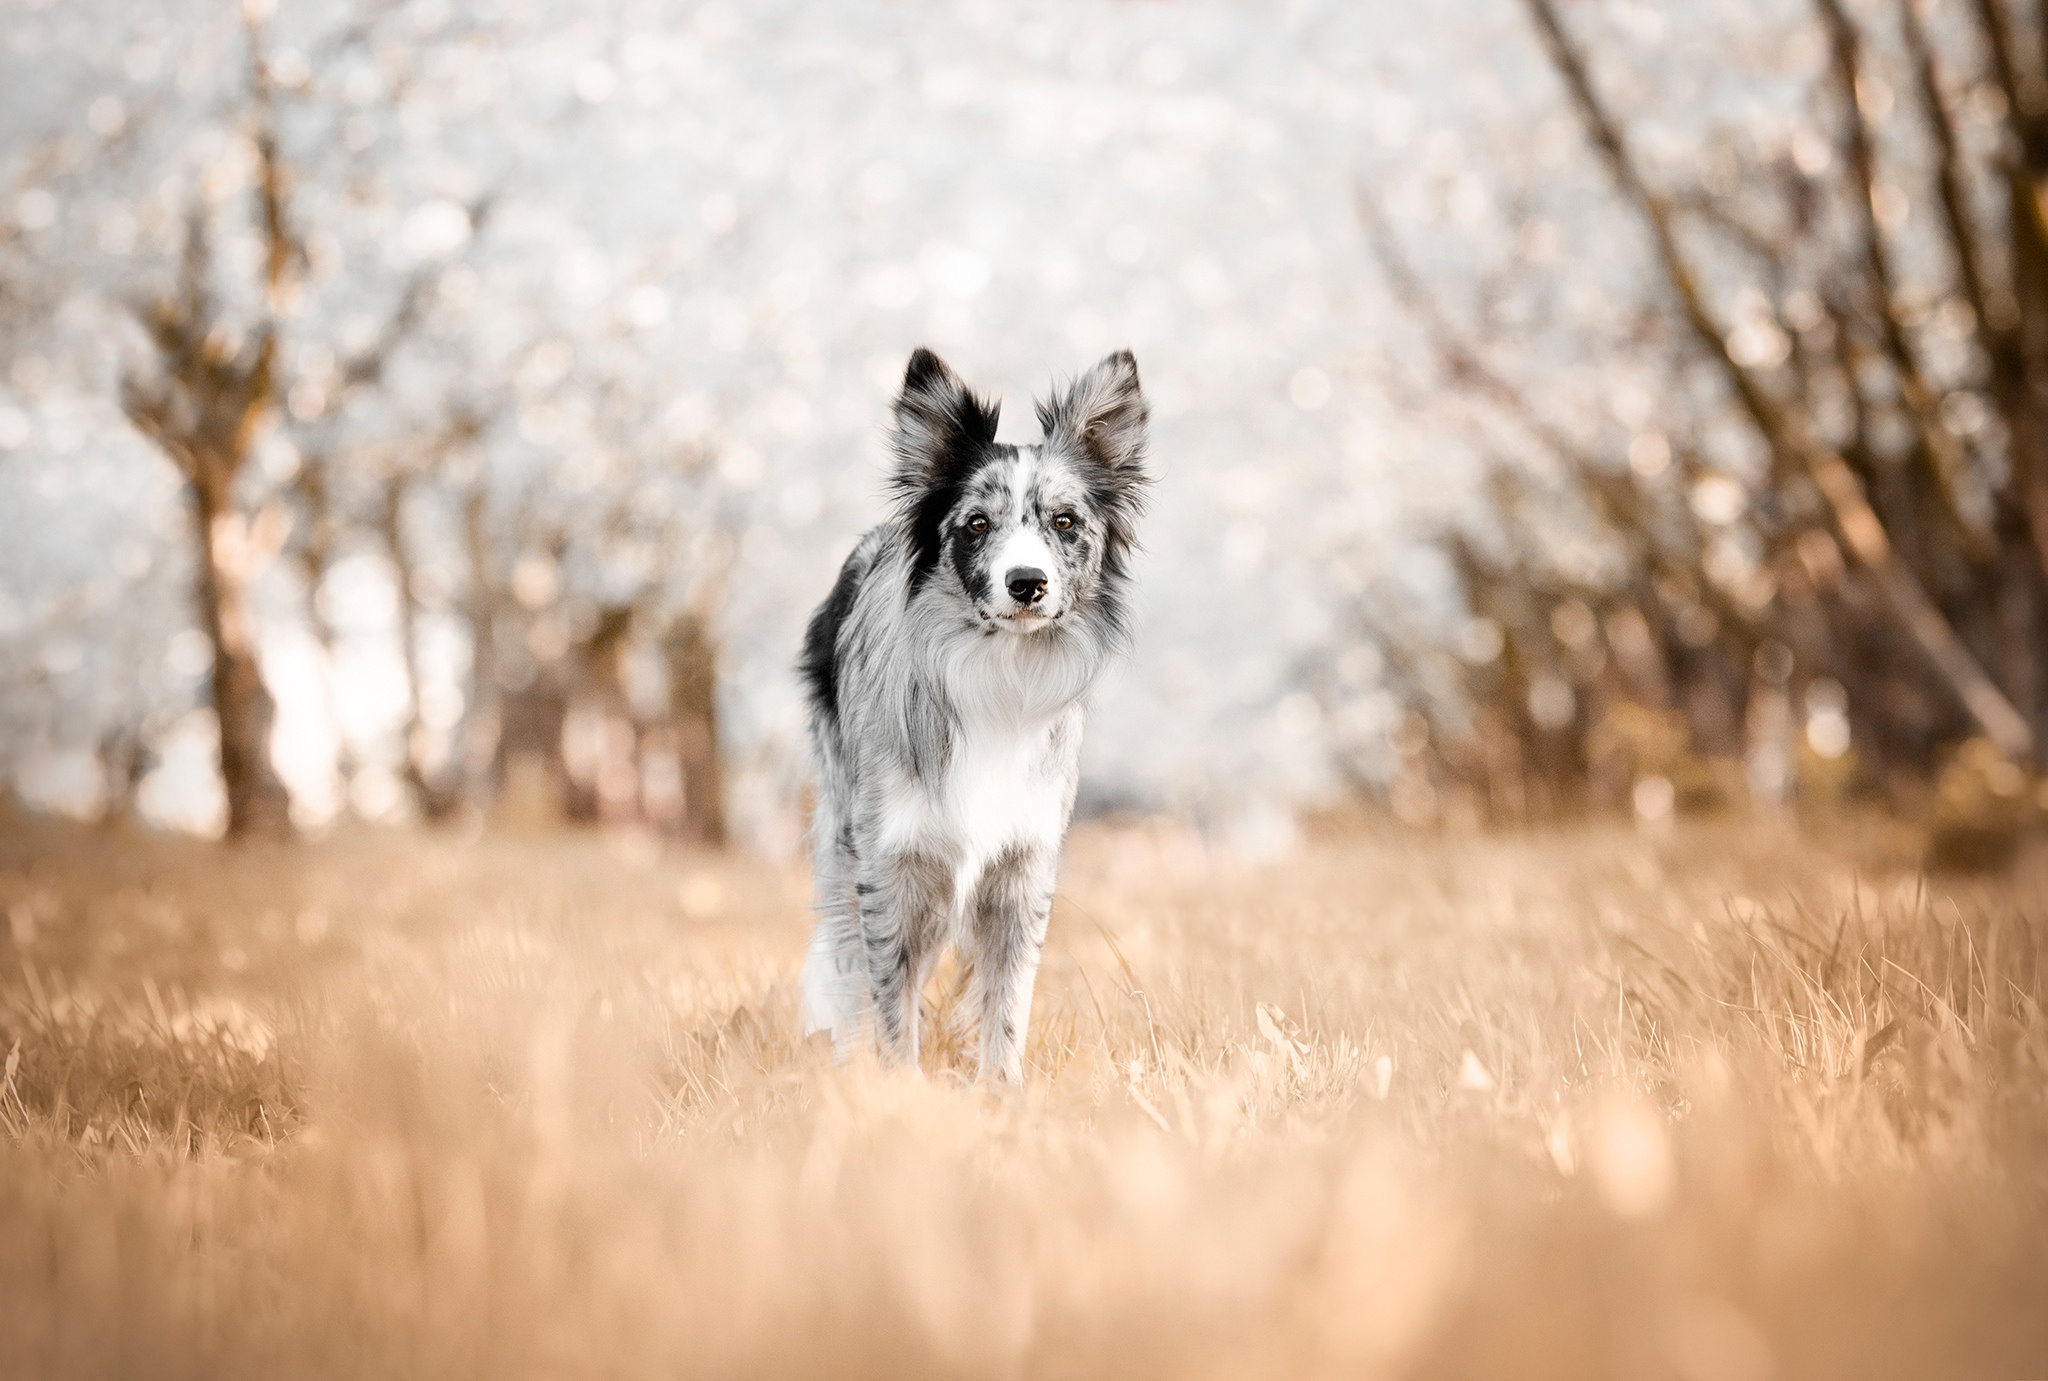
[1023, 620]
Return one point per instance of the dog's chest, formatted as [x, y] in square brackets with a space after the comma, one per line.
[1004, 782]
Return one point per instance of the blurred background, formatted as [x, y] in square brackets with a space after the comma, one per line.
[432, 411]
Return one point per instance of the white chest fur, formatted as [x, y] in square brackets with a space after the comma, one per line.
[1004, 784]
[1013, 710]
[1006, 781]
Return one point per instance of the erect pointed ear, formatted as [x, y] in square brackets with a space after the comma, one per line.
[1102, 417]
[941, 428]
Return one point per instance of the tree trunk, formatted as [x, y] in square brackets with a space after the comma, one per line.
[478, 733]
[315, 553]
[436, 801]
[258, 804]
[693, 708]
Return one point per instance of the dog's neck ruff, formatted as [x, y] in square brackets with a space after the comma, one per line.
[1015, 678]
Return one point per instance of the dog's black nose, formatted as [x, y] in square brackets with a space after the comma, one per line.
[1027, 584]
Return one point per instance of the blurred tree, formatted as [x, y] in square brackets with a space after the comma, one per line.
[1885, 566]
[690, 651]
[598, 660]
[213, 381]
[219, 378]
[435, 795]
[213, 385]
[340, 472]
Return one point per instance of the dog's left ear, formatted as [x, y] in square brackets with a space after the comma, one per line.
[1102, 417]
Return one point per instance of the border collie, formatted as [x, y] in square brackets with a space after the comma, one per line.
[947, 675]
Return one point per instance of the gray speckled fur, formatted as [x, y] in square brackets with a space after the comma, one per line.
[946, 712]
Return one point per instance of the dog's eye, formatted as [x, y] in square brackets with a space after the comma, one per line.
[1064, 521]
[977, 523]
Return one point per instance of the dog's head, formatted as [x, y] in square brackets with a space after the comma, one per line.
[1035, 533]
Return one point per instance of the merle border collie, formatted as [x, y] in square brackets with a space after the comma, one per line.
[947, 674]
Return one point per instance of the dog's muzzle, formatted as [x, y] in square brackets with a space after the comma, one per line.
[1031, 605]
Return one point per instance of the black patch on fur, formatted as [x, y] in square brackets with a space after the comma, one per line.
[966, 550]
[819, 664]
[944, 433]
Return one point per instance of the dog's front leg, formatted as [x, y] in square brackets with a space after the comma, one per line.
[1011, 905]
[904, 899]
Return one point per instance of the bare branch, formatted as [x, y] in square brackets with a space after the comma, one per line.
[1950, 178]
[1785, 431]
[1617, 501]
[1942, 450]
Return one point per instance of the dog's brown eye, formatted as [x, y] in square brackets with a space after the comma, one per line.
[1064, 521]
[977, 524]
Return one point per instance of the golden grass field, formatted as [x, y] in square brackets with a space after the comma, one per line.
[1732, 1102]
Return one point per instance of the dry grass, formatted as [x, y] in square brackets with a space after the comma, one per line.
[1727, 1104]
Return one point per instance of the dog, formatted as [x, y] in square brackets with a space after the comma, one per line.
[947, 675]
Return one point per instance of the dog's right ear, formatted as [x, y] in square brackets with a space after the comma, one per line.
[941, 428]
[942, 431]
